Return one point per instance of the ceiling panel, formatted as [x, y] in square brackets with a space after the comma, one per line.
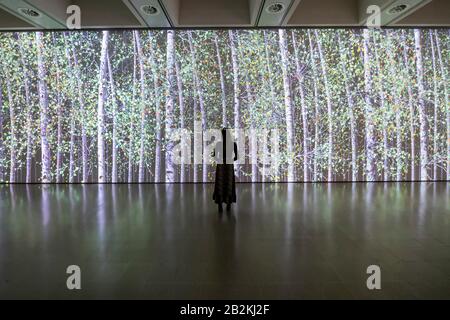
[9, 21]
[325, 13]
[436, 13]
[106, 13]
[214, 13]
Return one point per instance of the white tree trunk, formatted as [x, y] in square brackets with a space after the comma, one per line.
[323, 65]
[100, 110]
[351, 111]
[288, 104]
[114, 175]
[382, 97]
[59, 128]
[253, 139]
[72, 114]
[84, 146]
[271, 90]
[133, 99]
[316, 106]
[370, 138]
[43, 102]
[143, 109]
[170, 65]
[222, 82]
[412, 115]
[236, 90]
[422, 108]
[26, 83]
[72, 146]
[447, 104]
[158, 136]
[396, 93]
[305, 139]
[2, 138]
[199, 90]
[13, 142]
[181, 104]
[435, 108]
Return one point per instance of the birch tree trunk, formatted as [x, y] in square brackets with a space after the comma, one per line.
[269, 71]
[12, 120]
[236, 91]
[436, 107]
[84, 146]
[72, 113]
[143, 109]
[59, 121]
[26, 83]
[370, 139]
[59, 134]
[422, 108]
[72, 146]
[158, 138]
[300, 69]
[253, 138]
[170, 65]
[316, 106]
[447, 104]
[2, 138]
[411, 108]
[133, 99]
[398, 112]
[351, 110]
[271, 90]
[199, 89]
[43, 102]
[222, 82]
[382, 97]
[181, 104]
[288, 104]
[323, 65]
[194, 117]
[101, 111]
[114, 176]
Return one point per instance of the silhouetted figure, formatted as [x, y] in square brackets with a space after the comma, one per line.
[225, 185]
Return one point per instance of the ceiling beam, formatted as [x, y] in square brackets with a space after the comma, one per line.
[42, 14]
[274, 13]
[391, 10]
[150, 13]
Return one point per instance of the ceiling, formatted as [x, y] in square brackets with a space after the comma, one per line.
[51, 14]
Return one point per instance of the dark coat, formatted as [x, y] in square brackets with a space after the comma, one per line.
[225, 184]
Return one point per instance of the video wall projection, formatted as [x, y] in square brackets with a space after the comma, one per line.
[310, 104]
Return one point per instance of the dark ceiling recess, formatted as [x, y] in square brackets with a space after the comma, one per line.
[102, 14]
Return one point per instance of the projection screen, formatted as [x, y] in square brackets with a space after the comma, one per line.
[304, 104]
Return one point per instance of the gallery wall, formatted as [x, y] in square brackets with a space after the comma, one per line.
[312, 104]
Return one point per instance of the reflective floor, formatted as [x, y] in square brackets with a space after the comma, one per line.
[281, 241]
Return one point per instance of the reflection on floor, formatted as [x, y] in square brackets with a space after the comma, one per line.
[281, 241]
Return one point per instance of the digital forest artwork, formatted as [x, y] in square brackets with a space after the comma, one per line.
[345, 104]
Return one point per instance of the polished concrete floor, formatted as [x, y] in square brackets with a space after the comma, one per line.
[281, 241]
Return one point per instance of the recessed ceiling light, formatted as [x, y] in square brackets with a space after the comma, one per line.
[275, 8]
[398, 9]
[149, 10]
[29, 12]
